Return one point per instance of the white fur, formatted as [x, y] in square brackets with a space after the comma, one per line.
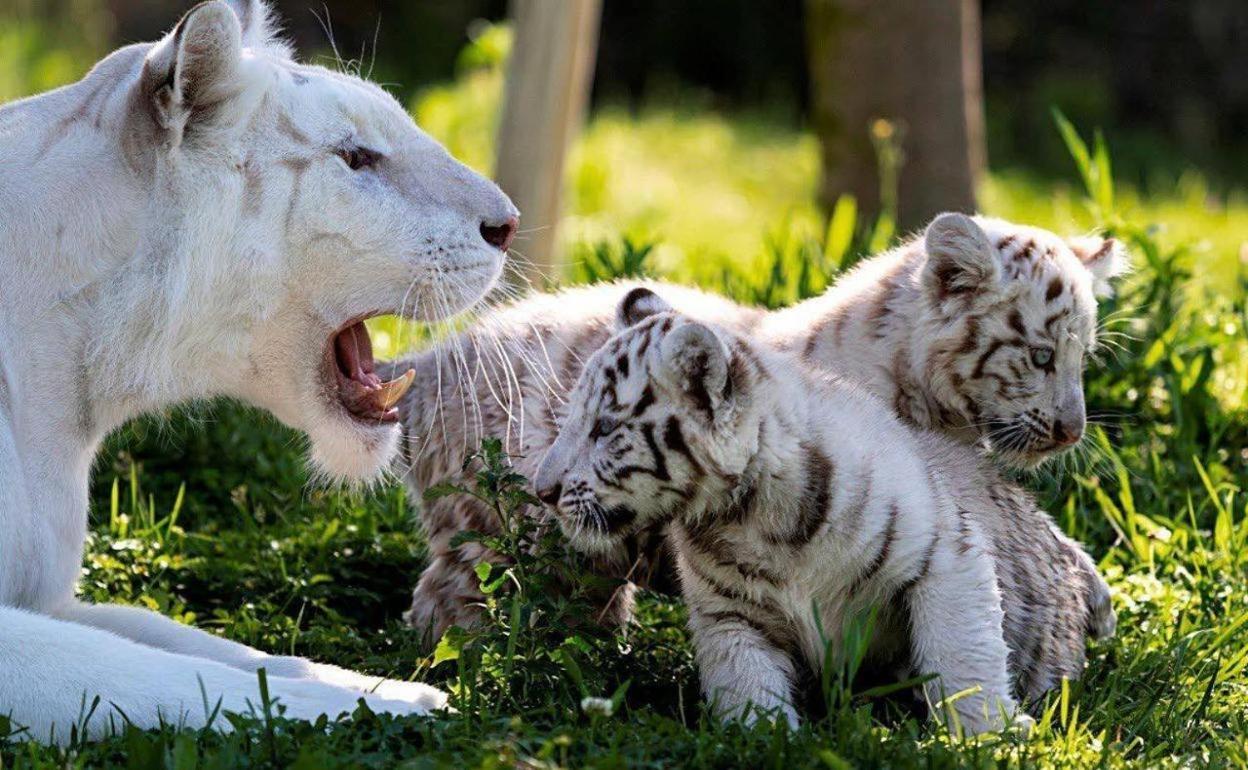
[891, 527]
[178, 225]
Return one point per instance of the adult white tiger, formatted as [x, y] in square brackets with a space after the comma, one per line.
[203, 216]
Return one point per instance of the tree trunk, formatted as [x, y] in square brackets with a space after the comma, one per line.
[898, 74]
[548, 79]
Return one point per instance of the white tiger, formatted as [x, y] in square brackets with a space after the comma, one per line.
[795, 501]
[196, 217]
[945, 328]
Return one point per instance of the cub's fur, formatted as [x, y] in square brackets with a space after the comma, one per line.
[787, 490]
[968, 297]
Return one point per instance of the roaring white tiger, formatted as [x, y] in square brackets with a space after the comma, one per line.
[979, 329]
[796, 501]
[203, 216]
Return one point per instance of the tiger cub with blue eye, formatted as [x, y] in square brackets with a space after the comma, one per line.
[794, 501]
[978, 329]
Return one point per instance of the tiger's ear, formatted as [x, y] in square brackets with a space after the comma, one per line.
[260, 28]
[196, 66]
[1105, 259]
[638, 305]
[960, 260]
[695, 362]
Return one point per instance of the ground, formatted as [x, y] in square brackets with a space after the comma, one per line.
[206, 514]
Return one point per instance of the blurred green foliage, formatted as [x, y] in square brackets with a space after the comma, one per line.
[36, 55]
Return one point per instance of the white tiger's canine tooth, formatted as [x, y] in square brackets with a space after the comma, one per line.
[392, 391]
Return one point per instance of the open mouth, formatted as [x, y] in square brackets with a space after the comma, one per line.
[360, 390]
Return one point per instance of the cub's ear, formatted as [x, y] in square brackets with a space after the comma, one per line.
[1105, 259]
[195, 66]
[960, 260]
[638, 305]
[695, 361]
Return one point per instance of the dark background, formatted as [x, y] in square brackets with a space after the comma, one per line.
[1167, 80]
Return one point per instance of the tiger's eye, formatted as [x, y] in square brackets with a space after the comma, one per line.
[1041, 357]
[358, 158]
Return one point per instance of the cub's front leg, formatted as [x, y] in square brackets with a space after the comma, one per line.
[956, 632]
[744, 675]
[737, 645]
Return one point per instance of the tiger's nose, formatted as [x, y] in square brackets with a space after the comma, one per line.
[1066, 434]
[551, 494]
[501, 235]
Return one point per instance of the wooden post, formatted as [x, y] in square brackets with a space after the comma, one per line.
[548, 79]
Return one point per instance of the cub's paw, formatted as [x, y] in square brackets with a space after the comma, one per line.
[1103, 621]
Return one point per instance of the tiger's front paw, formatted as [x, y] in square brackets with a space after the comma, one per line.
[1103, 622]
[417, 694]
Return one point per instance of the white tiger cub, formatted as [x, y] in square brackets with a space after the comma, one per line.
[948, 328]
[794, 501]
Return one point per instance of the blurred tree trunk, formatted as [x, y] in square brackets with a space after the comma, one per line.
[914, 64]
[548, 78]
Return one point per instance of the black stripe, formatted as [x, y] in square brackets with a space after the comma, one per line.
[660, 461]
[890, 533]
[645, 402]
[619, 516]
[993, 347]
[1055, 288]
[1016, 323]
[780, 638]
[812, 508]
[924, 567]
[674, 438]
[717, 551]
[724, 591]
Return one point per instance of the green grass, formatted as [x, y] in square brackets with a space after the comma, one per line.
[207, 516]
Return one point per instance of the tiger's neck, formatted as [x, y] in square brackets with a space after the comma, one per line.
[98, 308]
[778, 487]
[871, 327]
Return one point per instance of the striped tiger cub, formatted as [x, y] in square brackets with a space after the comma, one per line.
[978, 329]
[783, 490]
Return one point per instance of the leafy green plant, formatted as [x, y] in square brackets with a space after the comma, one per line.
[539, 633]
[609, 261]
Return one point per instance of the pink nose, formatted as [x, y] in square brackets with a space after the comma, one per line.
[1066, 436]
[500, 236]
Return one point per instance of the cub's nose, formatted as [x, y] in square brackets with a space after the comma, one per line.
[1065, 434]
[501, 235]
[551, 494]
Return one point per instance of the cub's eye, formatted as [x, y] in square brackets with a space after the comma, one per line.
[358, 158]
[1041, 357]
[604, 426]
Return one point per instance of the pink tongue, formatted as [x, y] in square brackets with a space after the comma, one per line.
[355, 355]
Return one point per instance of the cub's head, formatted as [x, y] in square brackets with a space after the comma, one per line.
[302, 201]
[662, 422]
[1011, 316]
